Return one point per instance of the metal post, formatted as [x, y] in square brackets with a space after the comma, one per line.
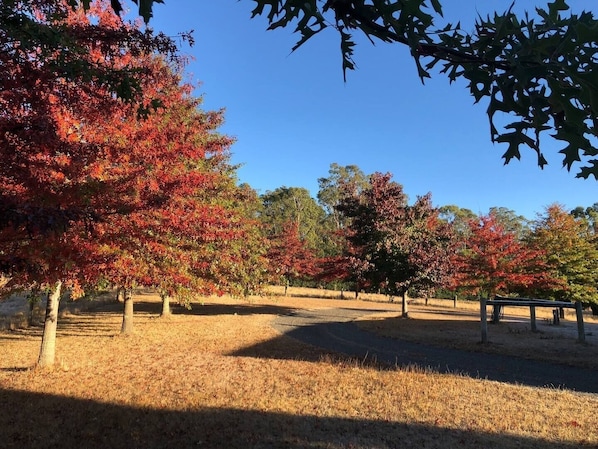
[581, 334]
[532, 315]
[484, 320]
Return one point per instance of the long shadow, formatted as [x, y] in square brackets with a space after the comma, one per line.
[232, 309]
[345, 337]
[155, 308]
[83, 323]
[50, 421]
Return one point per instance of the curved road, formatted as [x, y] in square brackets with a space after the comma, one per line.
[334, 330]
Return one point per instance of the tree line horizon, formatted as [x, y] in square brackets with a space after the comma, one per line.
[371, 211]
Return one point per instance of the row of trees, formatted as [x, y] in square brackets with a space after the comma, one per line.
[101, 188]
[364, 235]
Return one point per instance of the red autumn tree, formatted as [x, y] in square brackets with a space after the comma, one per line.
[396, 246]
[495, 261]
[338, 269]
[288, 255]
[105, 194]
[47, 96]
[183, 224]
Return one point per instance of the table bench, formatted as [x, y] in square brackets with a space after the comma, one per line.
[499, 302]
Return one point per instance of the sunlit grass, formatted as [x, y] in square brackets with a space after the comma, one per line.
[187, 366]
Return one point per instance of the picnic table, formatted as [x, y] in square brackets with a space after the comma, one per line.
[499, 302]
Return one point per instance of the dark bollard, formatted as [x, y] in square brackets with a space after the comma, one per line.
[556, 317]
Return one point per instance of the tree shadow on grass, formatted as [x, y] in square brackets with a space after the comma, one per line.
[49, 421]
[232, 309]
[197, 308]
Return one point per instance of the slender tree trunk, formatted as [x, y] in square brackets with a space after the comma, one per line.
[30, 315]
[165, 306]
[33, 298]
[120, 294]
[127, 326]
[404, 305]
[48, 349]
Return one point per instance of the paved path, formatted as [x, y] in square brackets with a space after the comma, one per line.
[334, 330]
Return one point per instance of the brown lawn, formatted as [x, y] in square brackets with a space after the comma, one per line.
[179, 382]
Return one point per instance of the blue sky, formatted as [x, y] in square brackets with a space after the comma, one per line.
[293, 115]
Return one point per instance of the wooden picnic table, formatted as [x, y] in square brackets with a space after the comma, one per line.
[499, 302]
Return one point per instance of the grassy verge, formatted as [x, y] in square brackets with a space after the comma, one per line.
[180, 382]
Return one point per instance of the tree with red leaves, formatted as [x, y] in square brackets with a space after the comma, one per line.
[170, 173]
[495, 261]
[48, 97]
[94, 191]
[396, 246]
[289, 256]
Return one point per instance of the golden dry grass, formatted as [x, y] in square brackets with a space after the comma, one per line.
[180, 382]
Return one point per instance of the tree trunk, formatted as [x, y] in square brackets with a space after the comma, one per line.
[127, 326]
[30, 315]
[404, 305]
[48, 349]
[120, 294]
[165, 306]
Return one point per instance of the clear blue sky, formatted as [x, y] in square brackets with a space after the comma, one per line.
[293, 115]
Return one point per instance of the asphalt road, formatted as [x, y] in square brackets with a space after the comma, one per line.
[334, 330]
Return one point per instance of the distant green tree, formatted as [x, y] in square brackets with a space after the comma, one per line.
[244, 269]
[294, 205]
[341, 181]
[589, 215]
[572, 255]
[510, 221]
[458, 217]
[334, 187]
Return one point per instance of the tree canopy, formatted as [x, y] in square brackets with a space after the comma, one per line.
[92, 191]
[295, 205]
[539, 68]
[571, 255]
[494, 260]
[396, 246]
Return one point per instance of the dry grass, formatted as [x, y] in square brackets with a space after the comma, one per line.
[180, 382]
